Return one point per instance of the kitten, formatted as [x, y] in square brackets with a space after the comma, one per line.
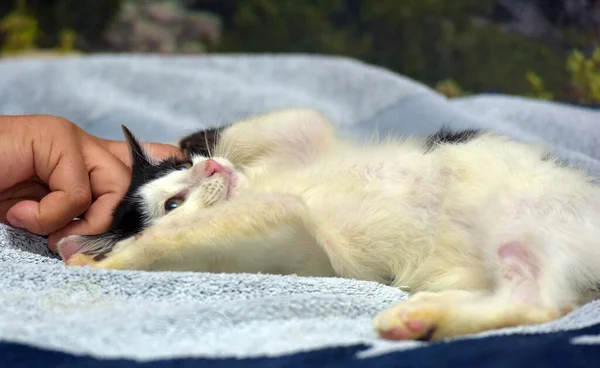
[485, 231]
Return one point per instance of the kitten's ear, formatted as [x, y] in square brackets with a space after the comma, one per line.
[139, 157]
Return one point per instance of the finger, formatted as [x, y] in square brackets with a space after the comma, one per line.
[58, 161]
[50, 214]
[162, 150]
[109, 180]
[156, 150]
[96, 220]
[30, 190]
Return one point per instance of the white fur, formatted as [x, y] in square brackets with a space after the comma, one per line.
[518, 235]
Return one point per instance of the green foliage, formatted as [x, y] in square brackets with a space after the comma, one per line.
[537, 87]
[584, 79]
[20, 30]
[67, 41]
[292, 26]
[87, 18]
[428, 40]
[450, 88]
[585, 76]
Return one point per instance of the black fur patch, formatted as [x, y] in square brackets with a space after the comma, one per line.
[447, 136]
[200, 143]
[128, 216]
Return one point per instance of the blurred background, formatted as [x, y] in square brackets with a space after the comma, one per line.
[547, 49]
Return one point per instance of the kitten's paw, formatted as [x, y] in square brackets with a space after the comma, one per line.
[420, 317]
[435, 316]
[99, 261]
[80, 260]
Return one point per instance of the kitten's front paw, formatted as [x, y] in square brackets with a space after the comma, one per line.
[81, 260]
[435, 316]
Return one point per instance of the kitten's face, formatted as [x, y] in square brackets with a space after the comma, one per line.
[190, 185]
[157, 189]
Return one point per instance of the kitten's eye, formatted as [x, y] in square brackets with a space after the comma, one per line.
[172, 204]
[184, 166]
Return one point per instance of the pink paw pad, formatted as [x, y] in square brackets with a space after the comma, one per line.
[395, 334]
[414, 330]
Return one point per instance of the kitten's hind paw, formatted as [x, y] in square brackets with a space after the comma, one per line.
[436, 316]
[419, 317]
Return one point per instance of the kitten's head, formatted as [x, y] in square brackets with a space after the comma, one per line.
[158, 188]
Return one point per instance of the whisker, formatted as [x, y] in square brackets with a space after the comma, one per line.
[207, 146]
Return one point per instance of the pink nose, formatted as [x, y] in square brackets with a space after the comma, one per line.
[212, 167]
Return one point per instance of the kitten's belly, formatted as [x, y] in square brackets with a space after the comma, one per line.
[387, 214]
[402, 221]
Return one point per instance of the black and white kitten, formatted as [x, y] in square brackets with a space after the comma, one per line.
[486, 231]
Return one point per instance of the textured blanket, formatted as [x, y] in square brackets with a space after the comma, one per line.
[51, 315]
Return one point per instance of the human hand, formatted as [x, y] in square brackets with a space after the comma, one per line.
[52, 172]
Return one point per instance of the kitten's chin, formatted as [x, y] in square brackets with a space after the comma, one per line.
[237, 184]
[231, 186]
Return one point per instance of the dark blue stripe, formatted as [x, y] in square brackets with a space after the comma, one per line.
[514, 351]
